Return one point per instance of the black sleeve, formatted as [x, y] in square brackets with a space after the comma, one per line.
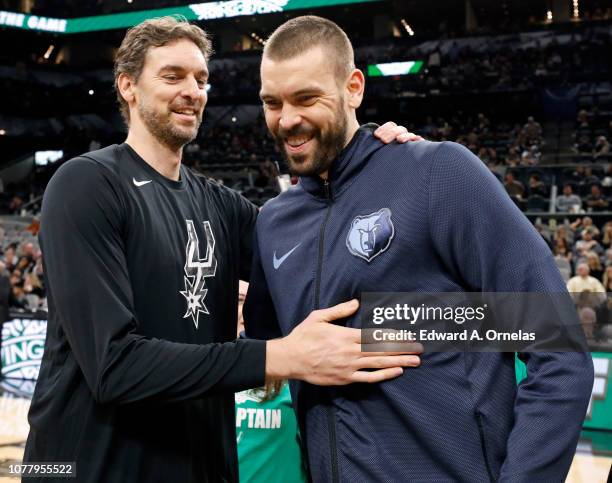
[260, 320]
[246, 216]
[91, 295]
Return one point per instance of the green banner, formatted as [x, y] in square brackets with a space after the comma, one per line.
[197, 11]
[599, 413]
[395, 68]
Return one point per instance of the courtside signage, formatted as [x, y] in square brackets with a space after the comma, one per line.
[23, 343]
[196, 11]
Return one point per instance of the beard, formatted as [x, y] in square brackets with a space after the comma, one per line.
[328, 145]
[164, 130]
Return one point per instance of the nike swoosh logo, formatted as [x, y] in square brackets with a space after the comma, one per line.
[140, 183]
[277, 262]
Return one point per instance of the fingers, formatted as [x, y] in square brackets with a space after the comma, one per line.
[377, 376]
[405, 349]
[408, 137]
[385, 362]
[384, 129]
[389, 134]
[339, 311]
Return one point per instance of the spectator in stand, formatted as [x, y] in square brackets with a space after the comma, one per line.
[568, 201]
[583, 145]
[587, 224]
[562, 253]
[25, 265]
[582, 119]
[563, 237]
[587, 244]
[532, 131]
[513, 187]
[606, 239]
[596, 201]
[578, 175]
[15, 204]
[10, 258]
[608, 257]
[537, 186]
[583, 282]
[607, 279]
[602, 147]
[513, 158]
[531, 156]
[594, 263]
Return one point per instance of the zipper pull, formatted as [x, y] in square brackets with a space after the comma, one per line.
[327, 189]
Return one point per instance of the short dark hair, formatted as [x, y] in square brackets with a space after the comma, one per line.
[155, 32]
[300, 34]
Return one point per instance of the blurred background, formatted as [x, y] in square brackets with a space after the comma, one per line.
[524, 84]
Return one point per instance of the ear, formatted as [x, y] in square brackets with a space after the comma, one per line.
[127, 86]
[355, 86]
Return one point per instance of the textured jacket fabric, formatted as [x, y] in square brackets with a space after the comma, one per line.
[459, 416]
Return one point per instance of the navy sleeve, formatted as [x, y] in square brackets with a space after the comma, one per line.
[83, 221]
[260, 321]
[492, 247]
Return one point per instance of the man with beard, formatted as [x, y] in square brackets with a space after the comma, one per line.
[419, 217]
[143, 258]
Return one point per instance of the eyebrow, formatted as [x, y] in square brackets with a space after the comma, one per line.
[306, 90]
[178, 68]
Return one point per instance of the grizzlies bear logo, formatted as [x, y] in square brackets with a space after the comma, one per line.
[370, 235]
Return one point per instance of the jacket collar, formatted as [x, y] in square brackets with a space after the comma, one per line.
[349, 162]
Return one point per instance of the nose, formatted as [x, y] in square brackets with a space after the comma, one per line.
[191, 89]
[290, 118]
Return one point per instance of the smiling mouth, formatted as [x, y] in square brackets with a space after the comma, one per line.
[186, 113]
[295, 144]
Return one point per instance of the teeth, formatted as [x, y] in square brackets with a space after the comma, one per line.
[295, 142]
[187, 111]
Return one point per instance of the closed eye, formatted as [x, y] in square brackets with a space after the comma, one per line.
[271, 104]
[307, 100]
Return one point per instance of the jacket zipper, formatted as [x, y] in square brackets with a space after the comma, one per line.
[483, 443]
[331, 423]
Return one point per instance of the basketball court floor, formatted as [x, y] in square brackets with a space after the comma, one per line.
[591, 464]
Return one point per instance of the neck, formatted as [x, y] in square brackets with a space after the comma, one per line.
[352, 127]
[162, 158]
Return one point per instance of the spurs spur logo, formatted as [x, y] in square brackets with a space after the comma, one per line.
[197, 270]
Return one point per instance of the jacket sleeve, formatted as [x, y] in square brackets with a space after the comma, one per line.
[82, 238]
[492, 247]
[260, 321]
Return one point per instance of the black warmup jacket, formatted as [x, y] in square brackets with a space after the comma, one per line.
[140, 362]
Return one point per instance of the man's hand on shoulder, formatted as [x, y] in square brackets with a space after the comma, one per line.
[325, 354]
[390, 132]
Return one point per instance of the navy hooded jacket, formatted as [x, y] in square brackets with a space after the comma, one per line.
[459, 416]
